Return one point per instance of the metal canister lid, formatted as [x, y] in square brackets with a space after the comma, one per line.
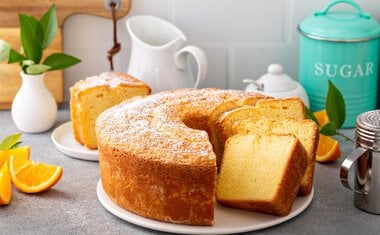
[338, 25]
[367, 133]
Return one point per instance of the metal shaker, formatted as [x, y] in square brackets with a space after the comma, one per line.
[366, 158]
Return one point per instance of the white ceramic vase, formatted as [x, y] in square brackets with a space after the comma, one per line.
[34, 108]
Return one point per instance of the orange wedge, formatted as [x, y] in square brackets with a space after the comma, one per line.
[32, 177]
[21, 152]
[328, 149]
[5, 185]
[322, 117]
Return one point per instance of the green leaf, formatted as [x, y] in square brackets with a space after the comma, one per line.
[14, 57]
[49, 25]
[32, 26]
[310, 115]
[4, 50]
[329, 129]
[335, 106]
[35, 69]
[25, 63]
[10, 141]
[16, 145]
[31, 34]
[60, 61]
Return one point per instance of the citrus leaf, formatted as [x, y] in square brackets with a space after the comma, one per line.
[4, 50]
[14, 57]
[329, 129]
[49, 25]
[10, 141]
[36, 69]
[335, 106]
[60, 61]
[310, 115]
[16, 145]
[31, 34]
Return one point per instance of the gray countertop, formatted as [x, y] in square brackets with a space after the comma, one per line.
[72, 206]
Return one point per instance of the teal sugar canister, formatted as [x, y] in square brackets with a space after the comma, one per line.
[341, 46]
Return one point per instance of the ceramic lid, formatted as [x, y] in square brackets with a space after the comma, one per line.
[276, 80]
[339, 24]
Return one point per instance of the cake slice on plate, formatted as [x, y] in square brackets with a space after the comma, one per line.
[261, 173]
[93, 95]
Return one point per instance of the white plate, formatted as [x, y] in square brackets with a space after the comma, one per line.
[227, 220]
[64, 141]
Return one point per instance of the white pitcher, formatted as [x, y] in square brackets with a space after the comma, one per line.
[158, 55]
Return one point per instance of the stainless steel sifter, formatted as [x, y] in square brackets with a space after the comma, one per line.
[366, 158]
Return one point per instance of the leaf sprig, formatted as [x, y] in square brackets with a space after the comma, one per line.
[35, 36]
[336, 112]
[10, 142]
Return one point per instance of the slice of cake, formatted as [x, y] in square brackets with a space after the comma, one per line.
[216, 141]
[227, 120]
[305, 131]
[261, 173]
[270, 108]
[280, 108]
[93, 95]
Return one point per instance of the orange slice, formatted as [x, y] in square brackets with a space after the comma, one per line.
[322, 117]
[328, 149]
[5, 185]
[21, 152]
[32, 177]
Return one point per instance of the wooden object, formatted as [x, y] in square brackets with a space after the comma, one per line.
[9, 9]
[10, 80]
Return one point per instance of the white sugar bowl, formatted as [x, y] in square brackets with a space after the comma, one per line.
[277, 84]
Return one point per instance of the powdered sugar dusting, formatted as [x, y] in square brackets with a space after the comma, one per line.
[152, 127]
[108, 79]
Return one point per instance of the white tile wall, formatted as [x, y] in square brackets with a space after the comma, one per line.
[233, 23]
[241, 38]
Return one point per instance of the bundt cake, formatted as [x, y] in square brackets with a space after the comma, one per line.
[256, 176]
[93, 95]
[157, 154]
[153, 164]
